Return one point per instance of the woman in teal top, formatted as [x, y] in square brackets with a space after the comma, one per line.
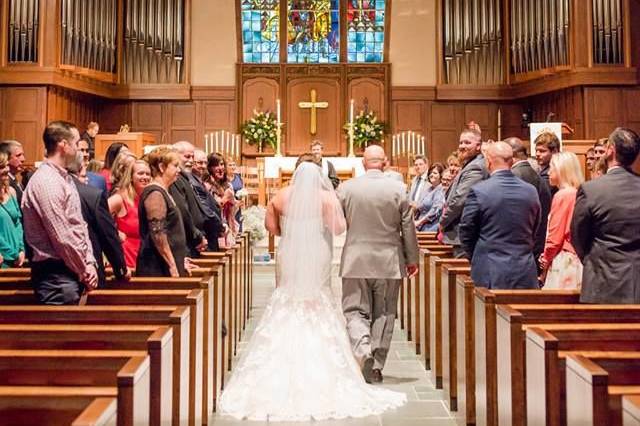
[11, 235]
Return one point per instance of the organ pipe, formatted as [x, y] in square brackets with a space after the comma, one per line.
[23, 31]
[607, 31]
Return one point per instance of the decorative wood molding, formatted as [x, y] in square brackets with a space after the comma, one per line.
[413, 93]
[217, 93]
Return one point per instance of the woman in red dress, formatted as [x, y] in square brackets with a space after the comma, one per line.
[123, 205]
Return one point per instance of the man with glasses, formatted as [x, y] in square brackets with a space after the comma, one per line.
[473, 170]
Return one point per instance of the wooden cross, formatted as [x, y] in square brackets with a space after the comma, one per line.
[313, 105]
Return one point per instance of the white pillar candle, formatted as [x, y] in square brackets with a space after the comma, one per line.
[424, 147]
[238, 153]
[402, 146]
[351, 110]
[278, 111]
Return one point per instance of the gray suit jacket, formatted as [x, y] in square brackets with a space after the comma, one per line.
[605, 231]
[473, 172]
[381, 237]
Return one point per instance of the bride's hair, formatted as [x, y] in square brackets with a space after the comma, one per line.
[304, 253]
[307, 158]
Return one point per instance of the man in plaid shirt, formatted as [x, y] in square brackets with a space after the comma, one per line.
[62, 262]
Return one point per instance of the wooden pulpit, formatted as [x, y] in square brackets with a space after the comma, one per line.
[136, 141]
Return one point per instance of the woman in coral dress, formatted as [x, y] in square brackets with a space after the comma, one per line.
[559, 262]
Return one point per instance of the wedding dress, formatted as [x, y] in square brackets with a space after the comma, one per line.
[298, 365]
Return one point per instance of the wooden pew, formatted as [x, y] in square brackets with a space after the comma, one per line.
[511, 322]
[426, 312]
[191, 298]
[228, 295]
[548, 345]
[631, 410]
[485, 345]
[451, 270]
[209, 281]
[54, 406]
[156, 340]
[127, 371]
[419, 289]
[596, 383]
[435, 296]
[465, 347]
[177, 318]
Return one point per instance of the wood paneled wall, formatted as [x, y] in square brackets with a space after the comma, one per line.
[170, 121]
[72, 106]
[593, 112]
[23, 114]
[441, 121]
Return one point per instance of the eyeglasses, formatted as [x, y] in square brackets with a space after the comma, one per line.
[200, 162]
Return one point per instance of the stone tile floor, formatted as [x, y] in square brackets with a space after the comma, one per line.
[404, 372]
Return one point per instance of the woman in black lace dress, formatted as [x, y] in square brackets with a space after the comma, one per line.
[163, 246]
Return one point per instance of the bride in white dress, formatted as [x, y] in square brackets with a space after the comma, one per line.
[298, 365]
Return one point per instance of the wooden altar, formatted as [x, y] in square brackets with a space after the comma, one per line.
[136, 141]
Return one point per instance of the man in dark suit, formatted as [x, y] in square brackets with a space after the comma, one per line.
[605, 229]
[187, 202]
[522, 169]
[15, 153]
[498, 225]
[546, 144]
[328, 168]
[473, 171]
[89, 135]
[103, 232]
[213, 226]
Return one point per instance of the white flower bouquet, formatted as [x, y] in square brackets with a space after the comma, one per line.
[253, 222]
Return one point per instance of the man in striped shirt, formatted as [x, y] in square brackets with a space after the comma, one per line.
[62, 262]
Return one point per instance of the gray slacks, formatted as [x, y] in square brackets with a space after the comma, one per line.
[370, 307]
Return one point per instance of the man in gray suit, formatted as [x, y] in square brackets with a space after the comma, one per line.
[605, 229]
[473, 170]
[381, 248]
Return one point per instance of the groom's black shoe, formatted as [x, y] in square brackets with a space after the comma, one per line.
[367, 368]
[376, 375]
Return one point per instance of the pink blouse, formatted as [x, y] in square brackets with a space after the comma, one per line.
[559, 226]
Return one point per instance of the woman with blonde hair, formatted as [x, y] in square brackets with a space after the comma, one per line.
[119, 168]
[123, 205]
[11, 233]
[559, 263]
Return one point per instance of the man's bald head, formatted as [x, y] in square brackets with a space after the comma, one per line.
[518, 147]
[499, 156]
[374, 158]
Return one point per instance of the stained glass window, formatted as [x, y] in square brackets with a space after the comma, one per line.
[260, 31]
[313, 31]
[365, 30]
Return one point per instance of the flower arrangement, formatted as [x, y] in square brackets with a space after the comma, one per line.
[260, 129]
[253, 222]
[366, 129]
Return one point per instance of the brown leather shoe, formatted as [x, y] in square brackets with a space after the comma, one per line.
[376, 375]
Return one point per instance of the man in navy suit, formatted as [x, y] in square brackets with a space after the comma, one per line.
[499, 224]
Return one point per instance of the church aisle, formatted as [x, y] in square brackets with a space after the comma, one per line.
[403, 372]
